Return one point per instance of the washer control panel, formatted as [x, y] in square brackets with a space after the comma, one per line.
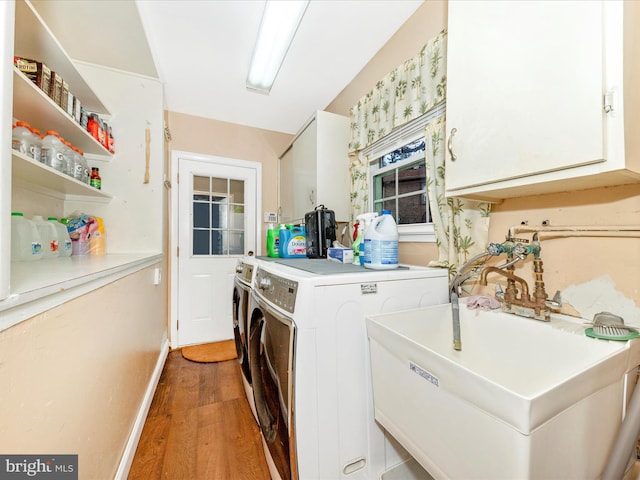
[244, 271]
[278, 290]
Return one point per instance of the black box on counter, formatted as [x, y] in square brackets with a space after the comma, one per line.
[36, 71]
[320, 226]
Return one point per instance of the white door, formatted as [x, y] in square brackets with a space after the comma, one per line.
[217, 223]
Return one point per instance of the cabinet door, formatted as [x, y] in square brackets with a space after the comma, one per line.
[285, 187]
[525, 89]
[305, 183]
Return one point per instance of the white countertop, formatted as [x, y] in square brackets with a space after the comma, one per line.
[38, 286]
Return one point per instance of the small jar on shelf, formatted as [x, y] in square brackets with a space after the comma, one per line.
[95, 180]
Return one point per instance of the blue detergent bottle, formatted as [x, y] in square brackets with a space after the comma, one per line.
[293, 242]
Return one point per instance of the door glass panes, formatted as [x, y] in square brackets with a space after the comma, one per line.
[218, 224]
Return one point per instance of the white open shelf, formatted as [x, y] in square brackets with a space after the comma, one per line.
[32, 105]
[51, 181]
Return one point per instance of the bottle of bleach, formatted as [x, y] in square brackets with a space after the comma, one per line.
[381, 243]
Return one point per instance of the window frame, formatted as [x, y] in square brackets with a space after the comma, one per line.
[412, 131]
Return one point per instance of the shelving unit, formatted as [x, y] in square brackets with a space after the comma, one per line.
[34, 40]
[42, 176]
[30, 284]
[34, 106]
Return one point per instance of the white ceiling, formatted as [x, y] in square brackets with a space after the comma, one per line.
[202, 50]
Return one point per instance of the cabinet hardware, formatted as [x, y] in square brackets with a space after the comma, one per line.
[610, 101]
[454, 157]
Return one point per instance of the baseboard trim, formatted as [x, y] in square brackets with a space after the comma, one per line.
[134, 437]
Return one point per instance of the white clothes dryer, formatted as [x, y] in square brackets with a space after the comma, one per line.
[309, 361]
[242, 285]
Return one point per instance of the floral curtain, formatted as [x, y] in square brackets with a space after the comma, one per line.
[461, 226]
[406, 93]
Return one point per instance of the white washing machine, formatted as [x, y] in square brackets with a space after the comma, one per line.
[242, 285]
[310, 363]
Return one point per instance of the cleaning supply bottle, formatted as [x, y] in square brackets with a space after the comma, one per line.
[365, 220]
[273, 241]
[381, 243]
[355, 246]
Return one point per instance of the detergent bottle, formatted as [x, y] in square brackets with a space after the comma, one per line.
[293, 242]
[381, 243]
[273, 241]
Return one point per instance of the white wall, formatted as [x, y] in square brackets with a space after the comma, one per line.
[134, 219]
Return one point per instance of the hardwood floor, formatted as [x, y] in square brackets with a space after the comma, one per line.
[199, 426]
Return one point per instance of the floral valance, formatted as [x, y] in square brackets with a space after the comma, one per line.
[405, 93]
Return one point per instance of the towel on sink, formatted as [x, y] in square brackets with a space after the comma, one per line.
[484, 302]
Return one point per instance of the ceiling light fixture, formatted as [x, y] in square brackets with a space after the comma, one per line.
[279, 24]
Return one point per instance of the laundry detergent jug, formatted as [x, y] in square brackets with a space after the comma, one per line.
[293, 242]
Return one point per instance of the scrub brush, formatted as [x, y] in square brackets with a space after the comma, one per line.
[608, 326]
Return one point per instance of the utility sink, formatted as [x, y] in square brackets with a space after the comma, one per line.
[522, 399]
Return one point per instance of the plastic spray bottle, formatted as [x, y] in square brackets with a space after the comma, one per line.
[355, 246]
[364, 220]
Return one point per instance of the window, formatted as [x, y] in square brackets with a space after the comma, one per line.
[218, 216]
[398, 180]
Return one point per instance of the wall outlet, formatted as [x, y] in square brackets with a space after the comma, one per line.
[270, 217]
[157, 276]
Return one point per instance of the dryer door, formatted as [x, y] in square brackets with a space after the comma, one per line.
[271, 357]
[240, 307]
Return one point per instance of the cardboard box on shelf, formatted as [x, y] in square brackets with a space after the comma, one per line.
[36, 71]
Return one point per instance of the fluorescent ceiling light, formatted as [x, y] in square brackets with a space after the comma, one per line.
[280, 21]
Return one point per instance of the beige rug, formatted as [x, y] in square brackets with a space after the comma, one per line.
[211, 352]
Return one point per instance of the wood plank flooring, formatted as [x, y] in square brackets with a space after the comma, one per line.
[199, 426]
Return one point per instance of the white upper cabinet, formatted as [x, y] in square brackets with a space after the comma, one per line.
[315, 170]
[536, 97]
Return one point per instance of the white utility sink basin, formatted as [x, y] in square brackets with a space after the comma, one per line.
[523, 399]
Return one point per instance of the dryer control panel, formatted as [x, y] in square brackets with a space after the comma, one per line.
[278, 290]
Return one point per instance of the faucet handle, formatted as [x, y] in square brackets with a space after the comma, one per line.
[556, 302]
[499, 292]
[495, 249]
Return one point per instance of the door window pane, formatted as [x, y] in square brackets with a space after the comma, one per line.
[218, 223]
[219, 186]
[219, 215]
[201, 242]
[236, 243]
[236, 190]
[201, 215]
